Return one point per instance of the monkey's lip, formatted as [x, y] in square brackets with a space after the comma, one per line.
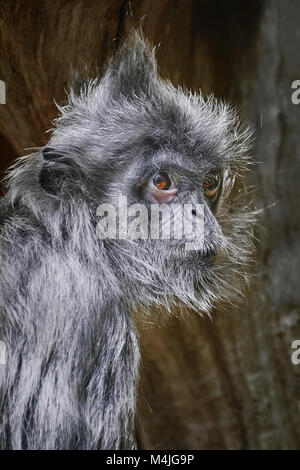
[210, 259]
[206, 253]
[210, 252]
[209, 256]
[206, 256]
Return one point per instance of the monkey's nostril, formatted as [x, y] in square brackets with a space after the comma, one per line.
[194, 212]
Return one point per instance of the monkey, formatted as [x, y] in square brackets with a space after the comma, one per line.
[69, 292]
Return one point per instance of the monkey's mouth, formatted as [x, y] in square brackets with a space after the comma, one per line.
[208, 258]
[191, 252]
[209, 252]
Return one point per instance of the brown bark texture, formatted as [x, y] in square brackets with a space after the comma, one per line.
[230, 382]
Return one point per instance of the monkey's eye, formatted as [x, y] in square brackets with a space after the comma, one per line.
[161, 188]
[211, 185]
[162, 181]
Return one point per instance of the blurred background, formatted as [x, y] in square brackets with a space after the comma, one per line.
[228, 383]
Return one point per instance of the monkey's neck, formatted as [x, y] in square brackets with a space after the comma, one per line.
[73, 355]
[111, 391]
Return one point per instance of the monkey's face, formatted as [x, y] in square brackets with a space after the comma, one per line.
[170, 218]
[166, 202]
[160, 169]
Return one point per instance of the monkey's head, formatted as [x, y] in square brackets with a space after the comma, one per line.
[131, 142]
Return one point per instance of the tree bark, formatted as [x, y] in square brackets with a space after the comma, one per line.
[229, 383]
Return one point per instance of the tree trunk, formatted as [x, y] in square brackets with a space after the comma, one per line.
[229, 383]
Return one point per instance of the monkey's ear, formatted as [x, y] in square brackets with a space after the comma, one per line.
[56, 169]
[133, 69]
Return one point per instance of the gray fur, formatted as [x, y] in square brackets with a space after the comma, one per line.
[67, 298]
